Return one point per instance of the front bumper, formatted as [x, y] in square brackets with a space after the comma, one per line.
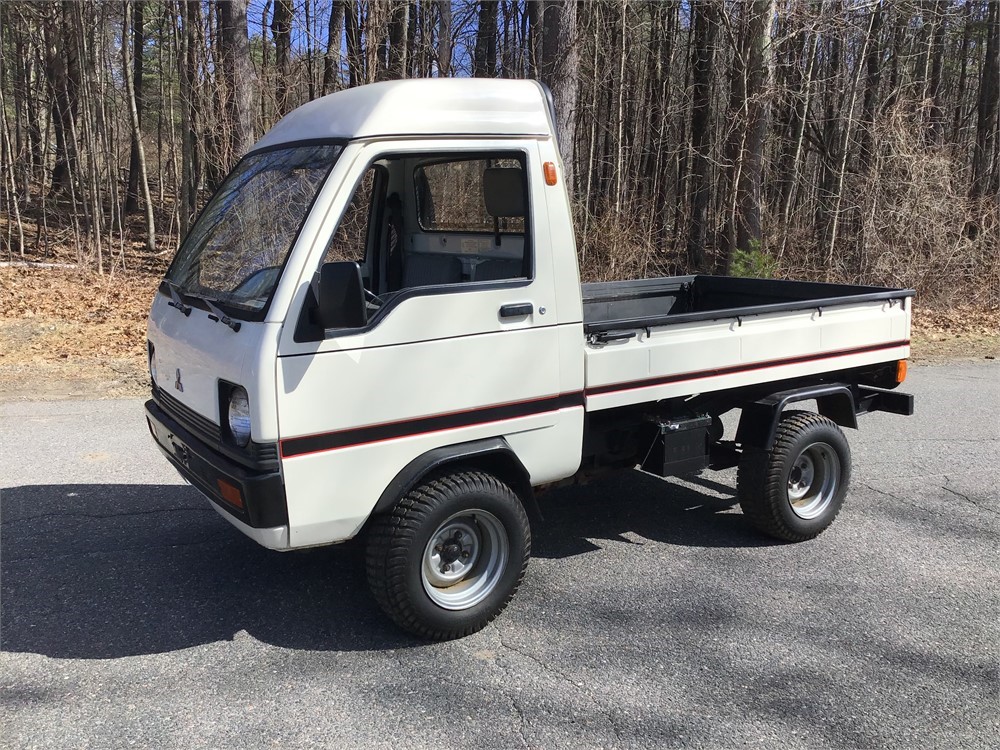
[260, 503]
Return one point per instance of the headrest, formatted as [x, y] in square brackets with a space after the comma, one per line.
[503, 191]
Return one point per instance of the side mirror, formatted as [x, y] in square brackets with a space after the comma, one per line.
[341, 296]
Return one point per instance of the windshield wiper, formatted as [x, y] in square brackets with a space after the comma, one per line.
[175, 298]
[214, 313]
[220, 317]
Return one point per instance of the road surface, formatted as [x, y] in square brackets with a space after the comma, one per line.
[652, 615]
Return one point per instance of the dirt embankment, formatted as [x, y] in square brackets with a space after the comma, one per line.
[66, 334]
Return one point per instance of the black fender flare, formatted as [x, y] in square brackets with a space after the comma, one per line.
[492, 454]
[759, 420]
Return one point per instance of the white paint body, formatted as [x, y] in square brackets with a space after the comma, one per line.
[445, 354]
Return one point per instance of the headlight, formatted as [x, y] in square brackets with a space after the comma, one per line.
[152, 363]
[239, 416]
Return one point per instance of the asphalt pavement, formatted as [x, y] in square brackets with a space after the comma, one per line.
[652, 614]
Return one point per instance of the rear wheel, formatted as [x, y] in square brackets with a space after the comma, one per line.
[450, 556]
[794, 491]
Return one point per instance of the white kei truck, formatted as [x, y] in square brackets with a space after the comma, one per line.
[376, 326]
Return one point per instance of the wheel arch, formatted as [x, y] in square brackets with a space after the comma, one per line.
[492, 455]
[759, 419]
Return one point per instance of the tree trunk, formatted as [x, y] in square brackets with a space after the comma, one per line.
[334, 35]
[132, 87]
[963, 54]
[937, 67]
[702, 66]
[281, 29]
[558, 69]
[485, 60]
[986, 107]
[63, 79]
[444, 38]
[748, 231]
[873, 74]
[190, 166]
[534, 10]
[399, 24]
[138, 44]
[355, 54]
[238, 72]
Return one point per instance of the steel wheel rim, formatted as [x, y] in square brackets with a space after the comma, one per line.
[813, 480]
[464, 559]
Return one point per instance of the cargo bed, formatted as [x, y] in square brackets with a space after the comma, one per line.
[646, 303]
[655, 339]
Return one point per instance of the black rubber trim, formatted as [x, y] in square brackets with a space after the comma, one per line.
[478, 452]
[255, 456]
[760, 419]
[681, 377]
[299, 446]
[263, 493]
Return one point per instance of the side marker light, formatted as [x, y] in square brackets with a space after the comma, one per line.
[550, 173]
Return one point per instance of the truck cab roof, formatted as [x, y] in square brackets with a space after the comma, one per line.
[416, 107]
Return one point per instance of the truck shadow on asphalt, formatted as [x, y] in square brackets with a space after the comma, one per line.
[97, 571]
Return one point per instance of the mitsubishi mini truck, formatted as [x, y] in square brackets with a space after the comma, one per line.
[376, 326]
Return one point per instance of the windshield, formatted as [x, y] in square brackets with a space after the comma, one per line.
[235, 252]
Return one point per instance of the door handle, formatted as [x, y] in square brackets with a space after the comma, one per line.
[516, 310]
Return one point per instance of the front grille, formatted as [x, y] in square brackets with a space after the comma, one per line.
[262, 456]
[203, 427]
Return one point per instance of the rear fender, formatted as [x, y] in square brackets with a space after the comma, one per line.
[759, 420]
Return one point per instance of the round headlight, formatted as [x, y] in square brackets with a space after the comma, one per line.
[152, 364]
[239, 416]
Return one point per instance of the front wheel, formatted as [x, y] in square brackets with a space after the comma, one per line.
[449, 557]
[794, 491]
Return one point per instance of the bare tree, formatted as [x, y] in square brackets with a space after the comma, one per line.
[135, 9]
[281, 28]
[558, 68]
[485, 60]
[702, 64]
[132, 87]
[234, 46]
[334, 36]
[986, 107]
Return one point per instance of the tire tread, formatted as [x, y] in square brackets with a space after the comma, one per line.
[759, 485]
[391, 536]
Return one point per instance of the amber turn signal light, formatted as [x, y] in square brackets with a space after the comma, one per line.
[550, 173]
[901, 371]
[230, 493]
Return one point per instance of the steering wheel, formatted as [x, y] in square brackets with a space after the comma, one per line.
[372, 298]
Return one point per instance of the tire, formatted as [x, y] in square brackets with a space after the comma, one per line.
[794, 491]
[451, 554]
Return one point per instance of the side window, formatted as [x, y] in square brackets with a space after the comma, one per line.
[350, 240]
[471, 216]
[452, 196]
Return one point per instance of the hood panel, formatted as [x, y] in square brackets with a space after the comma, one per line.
[201, 351]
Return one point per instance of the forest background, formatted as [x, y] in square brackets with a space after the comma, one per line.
[842, 140]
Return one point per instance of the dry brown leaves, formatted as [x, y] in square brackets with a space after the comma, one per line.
[92, 314]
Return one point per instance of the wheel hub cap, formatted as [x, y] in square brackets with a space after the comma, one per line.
[464, 559]
[813, 480]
